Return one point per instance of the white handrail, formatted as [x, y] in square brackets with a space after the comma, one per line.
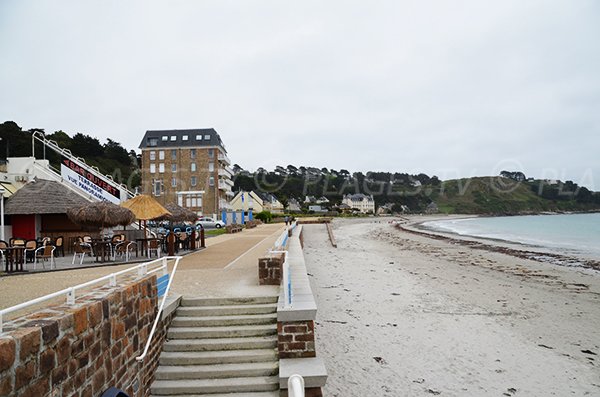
[160, 309]
[70, 292]
[286, 279]
[296, 386]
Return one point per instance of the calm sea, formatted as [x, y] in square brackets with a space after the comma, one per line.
[577, 234]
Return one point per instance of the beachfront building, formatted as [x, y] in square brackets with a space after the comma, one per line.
[187, 167]
[361, 202]
[257, 202]
[293, 205]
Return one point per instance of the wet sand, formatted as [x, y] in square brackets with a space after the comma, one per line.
[402, 314]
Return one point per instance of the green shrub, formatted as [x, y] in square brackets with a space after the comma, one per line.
[264, 216]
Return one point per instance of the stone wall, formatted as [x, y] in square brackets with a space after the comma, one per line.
[81, 350]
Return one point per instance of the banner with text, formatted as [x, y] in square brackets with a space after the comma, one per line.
[86, 181]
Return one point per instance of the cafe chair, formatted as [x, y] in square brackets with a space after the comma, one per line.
[43, 253]
[30, 247]
[60, 247]
[154, 245]
[124, 249]
[81, 249]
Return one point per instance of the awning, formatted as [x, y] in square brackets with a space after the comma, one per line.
[9, 189]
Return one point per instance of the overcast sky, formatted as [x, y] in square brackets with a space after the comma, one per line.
[452, 88]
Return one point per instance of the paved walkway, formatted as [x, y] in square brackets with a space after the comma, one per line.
[227, 267]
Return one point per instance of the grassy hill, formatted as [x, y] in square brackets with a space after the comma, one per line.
[498, 195]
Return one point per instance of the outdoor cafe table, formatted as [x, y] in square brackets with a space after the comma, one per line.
[102, 249]
[15, 256]
[143, 244]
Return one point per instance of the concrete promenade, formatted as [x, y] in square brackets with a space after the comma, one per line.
[227, 267]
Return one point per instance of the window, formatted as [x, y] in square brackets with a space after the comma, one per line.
[193, 153]
[207, 137]
[161, 168]
[165, 138]
[211, 167]
[184, 138]
[152, 155]
[193, 167]
[174, 154]
[152, 168]
[211, 153]
[173, 182]
[173, 138]
[211, 181]
[173, 167]
[152, 141]
[193, 181]
[157, 187]
[161, 154]
[198, 137]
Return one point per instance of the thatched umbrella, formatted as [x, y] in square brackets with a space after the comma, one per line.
[101, 214]
[179, 214]
[145, 207]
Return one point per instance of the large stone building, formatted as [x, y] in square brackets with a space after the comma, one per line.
[187, 167]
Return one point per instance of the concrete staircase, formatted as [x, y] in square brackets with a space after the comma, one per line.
[221, 347]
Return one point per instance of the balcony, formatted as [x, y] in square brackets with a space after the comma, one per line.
[225, 172]
[223, 157]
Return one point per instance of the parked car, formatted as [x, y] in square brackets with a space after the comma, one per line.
[208, 222]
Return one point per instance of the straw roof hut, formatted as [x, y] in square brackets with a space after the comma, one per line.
[102, 214]
[145, 207]
[179, 214]
[43, 197]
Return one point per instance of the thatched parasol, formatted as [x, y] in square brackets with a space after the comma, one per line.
[42, 197]
[145, 207]
[102, 214]
[179, 214]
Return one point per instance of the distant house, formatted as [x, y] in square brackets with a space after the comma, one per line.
[432, 208]
[385, 209]
[310, 199]
[363, 203]
[322, 200]
[256, 201]
[293, 205]
[317, 209]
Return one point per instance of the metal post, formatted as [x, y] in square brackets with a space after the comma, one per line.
[202, 242]
[2, 213]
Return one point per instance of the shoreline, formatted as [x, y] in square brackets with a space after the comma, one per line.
[519, 250]
[401, 313]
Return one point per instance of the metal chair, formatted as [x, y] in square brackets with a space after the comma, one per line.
[154, 245]
[125, 248]
[59, 244]
[80, 248]
[30, 247]
[43, 253]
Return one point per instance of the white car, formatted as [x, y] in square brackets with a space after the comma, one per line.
[208, 223]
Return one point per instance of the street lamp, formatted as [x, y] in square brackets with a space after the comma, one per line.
[2, 213]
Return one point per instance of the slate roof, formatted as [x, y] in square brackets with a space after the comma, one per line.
[213, 138]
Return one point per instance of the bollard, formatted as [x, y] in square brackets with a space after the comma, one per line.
[193, 240]
[202, 242]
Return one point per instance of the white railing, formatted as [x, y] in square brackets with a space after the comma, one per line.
[69, 293]
[296, 386]
[160, 310]
[280, 248]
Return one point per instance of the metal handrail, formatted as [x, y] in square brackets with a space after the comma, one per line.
[296, 386]
[160, 309]
[142, 270]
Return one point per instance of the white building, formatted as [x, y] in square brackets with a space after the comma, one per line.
[363, 203]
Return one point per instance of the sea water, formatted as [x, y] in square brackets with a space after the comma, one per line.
[577, 234]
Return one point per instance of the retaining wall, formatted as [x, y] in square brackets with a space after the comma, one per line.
[83, 349]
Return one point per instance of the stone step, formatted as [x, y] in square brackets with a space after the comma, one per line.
[211, 386]
[257, 394]
[218, 357]
[215, 321]
[258, 300]
[226, 310]
[241, 370]
[221, 332]
[259, 342]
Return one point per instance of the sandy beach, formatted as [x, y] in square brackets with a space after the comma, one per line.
[401, 314]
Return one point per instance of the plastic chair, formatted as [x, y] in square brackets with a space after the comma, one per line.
[30, 247]
[59, 244]
[43, 253]
[124, 248]
[154, 245]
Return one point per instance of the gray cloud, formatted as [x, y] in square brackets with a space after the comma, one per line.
[448, 88]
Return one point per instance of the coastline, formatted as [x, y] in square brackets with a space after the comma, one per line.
[516, 249]
[402, 313]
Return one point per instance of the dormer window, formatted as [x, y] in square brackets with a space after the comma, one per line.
[207, 137]
[152, 141]
[198, 137]
[184, 138]
[173, 138]
[165, 138]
